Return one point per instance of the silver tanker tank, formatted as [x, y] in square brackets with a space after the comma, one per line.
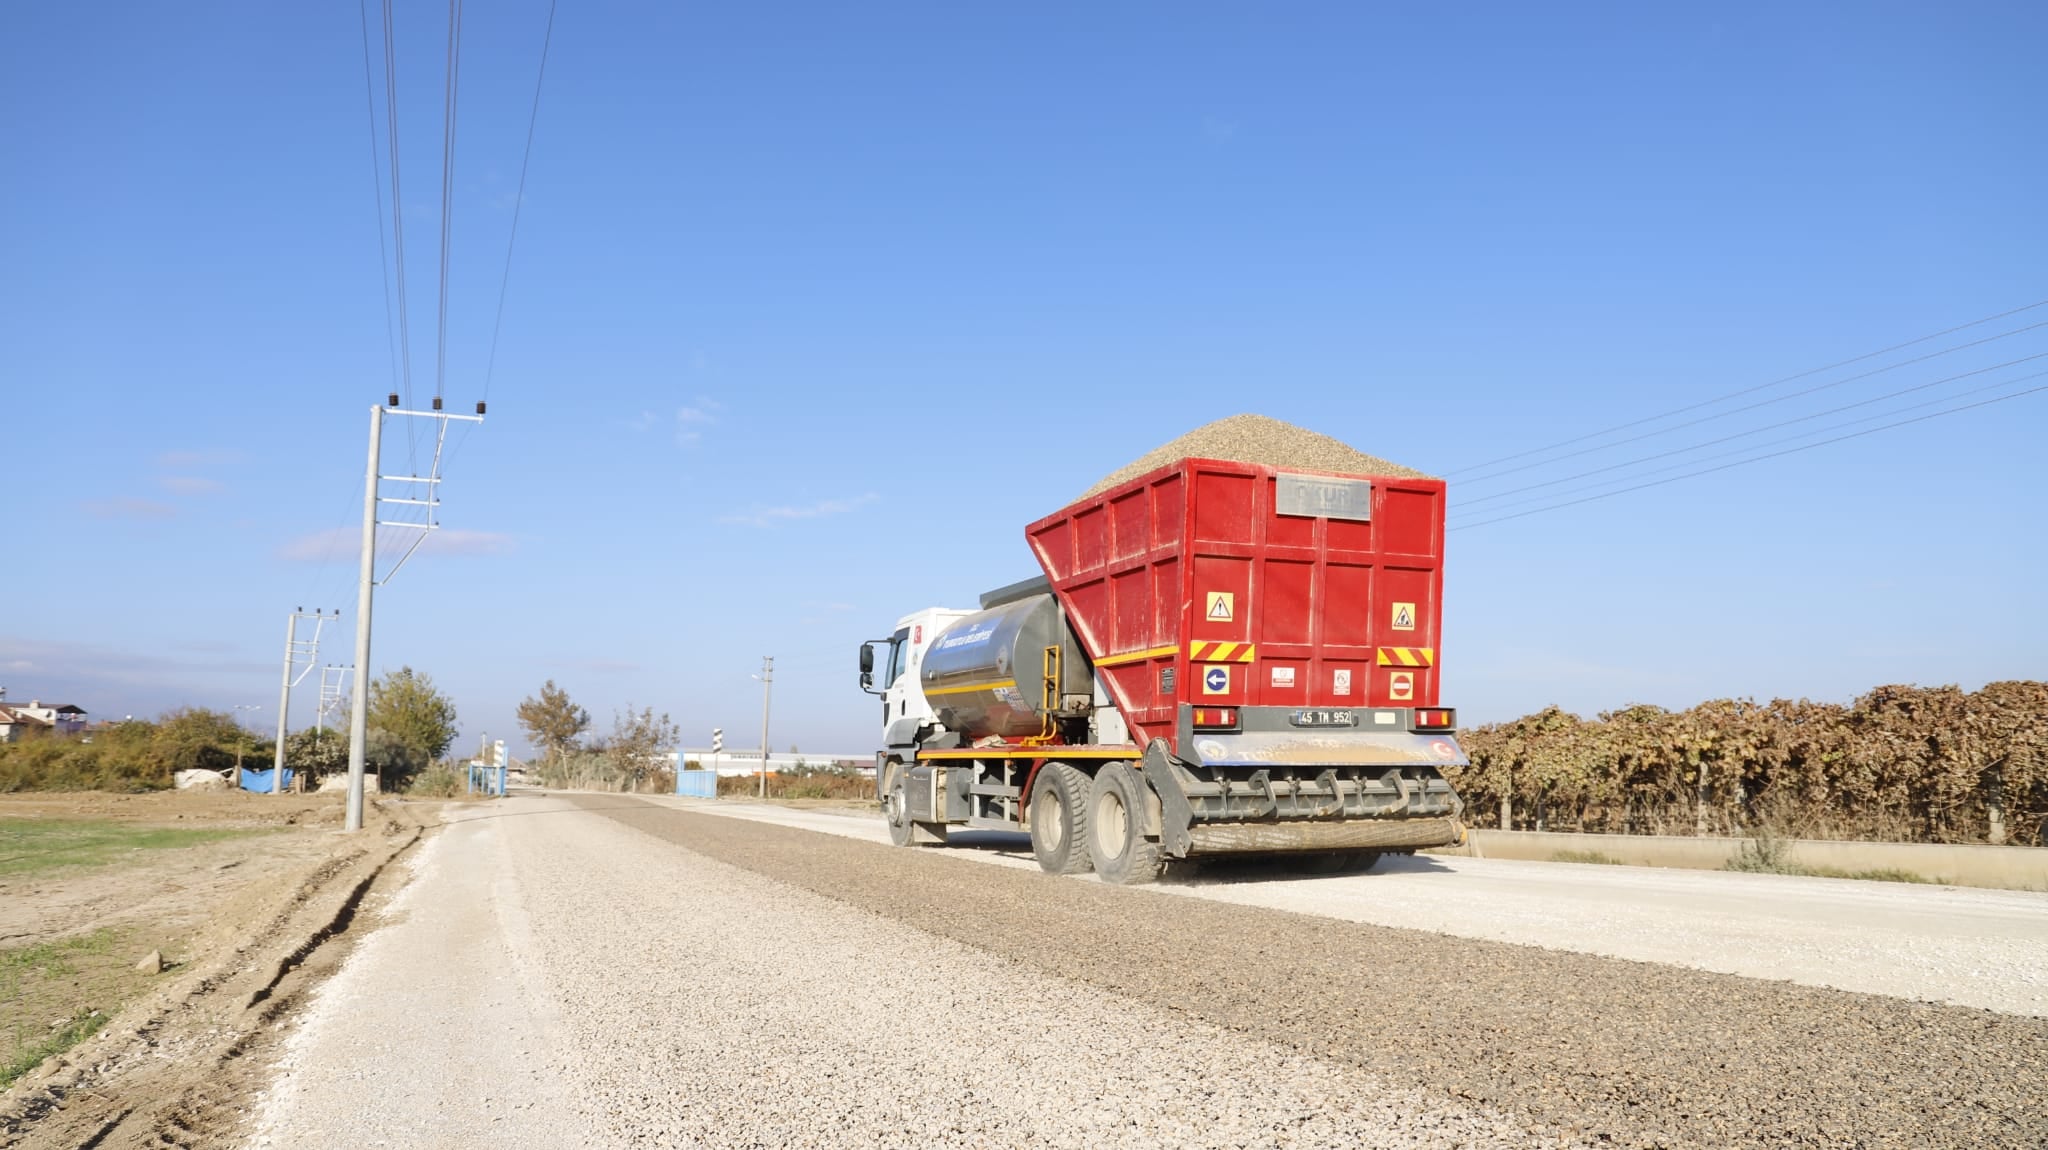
[985, 674]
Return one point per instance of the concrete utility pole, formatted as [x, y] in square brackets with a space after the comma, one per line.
[767, 688]
[367, 581]
[331, 677]
[296, 651]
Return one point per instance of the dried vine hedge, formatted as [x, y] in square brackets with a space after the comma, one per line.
[1901, 763]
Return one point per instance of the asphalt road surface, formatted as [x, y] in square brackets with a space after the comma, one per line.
[585, 970]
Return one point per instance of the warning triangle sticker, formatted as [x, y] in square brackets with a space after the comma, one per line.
[1220, 604]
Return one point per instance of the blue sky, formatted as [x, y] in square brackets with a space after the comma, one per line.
[814, 307]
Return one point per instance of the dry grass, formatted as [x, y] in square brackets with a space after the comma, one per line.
[825, 784]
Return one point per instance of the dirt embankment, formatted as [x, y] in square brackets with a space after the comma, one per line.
[246, 924]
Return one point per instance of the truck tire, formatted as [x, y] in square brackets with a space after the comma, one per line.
[1117, 845]
[896, 806]
[1059, 819]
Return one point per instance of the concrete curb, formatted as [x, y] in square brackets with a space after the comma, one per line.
[1999, 868]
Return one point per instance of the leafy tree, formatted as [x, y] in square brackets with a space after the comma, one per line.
[552, 722]
[316, 751]
[405, 706]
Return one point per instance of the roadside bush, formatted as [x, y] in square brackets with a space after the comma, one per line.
[439, 781]
[1900, 764]
[802, 783]
[132, 756]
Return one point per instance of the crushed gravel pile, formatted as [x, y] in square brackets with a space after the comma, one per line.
[1578, 1046]
[1259, 439]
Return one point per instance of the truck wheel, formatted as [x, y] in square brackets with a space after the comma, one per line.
[1059, 819]
[896, 806]
[1116, 828]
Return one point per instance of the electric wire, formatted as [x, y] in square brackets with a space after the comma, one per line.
[512, 240]
[1749, 390]
[1762, 403]
[377, 195]
[398, 220]
[1756, 459]
[1747, 448]
[519, 200]
[1651, 458]
[448, 121]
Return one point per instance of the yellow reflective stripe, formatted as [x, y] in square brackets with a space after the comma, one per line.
[1048, 751]
[1212, 651]
[1407, 657]
[970, 687]
[1135, 656]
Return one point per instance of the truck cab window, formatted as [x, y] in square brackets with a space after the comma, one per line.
[899, 655]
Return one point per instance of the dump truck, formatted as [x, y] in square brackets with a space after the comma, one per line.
[1217, 658]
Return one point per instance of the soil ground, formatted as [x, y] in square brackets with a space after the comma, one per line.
[247, 898]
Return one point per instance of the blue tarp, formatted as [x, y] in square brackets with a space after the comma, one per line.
[697, 784]
[259, 781]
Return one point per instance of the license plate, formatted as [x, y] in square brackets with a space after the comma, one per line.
[1324, 719]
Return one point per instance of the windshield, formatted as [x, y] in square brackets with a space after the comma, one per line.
[899, 656]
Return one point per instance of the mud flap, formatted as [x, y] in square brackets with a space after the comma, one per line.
[1175, 814]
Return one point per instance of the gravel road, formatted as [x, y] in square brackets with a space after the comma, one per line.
[600, 970]
[553, 978]
[1963, 946]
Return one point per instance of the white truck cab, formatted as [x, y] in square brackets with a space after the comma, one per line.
[896, 662]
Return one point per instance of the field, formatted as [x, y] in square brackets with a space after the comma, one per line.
[92, 884]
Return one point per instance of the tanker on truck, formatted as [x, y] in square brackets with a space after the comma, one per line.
[1218, 657]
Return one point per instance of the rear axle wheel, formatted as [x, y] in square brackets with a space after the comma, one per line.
[1117, 844]
[1059, 819]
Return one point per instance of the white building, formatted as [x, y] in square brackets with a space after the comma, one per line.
[18, 719]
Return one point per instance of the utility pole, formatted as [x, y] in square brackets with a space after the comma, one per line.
[767, 687]
[367, 581]
[296, 651]
[331, 677]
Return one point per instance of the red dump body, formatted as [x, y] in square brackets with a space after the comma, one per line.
[1238, 585]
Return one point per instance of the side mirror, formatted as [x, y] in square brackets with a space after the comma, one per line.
[867, 680]
[867, 663]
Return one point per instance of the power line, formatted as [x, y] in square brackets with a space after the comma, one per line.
[398, 218]
[447, 186]
[511, 241]
[1752, 431]
[1745, 449]
[377, 194]
[1758, 458]
[519, 201]
[1749, 390]
[1762, 402]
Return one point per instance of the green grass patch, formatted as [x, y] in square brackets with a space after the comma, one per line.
[26, 1058]
[55, 995]
[30, 845]
[1600, 857]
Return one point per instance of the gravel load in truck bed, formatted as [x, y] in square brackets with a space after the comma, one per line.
[1259, 439]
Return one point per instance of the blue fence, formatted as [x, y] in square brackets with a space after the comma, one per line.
[697, 784]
